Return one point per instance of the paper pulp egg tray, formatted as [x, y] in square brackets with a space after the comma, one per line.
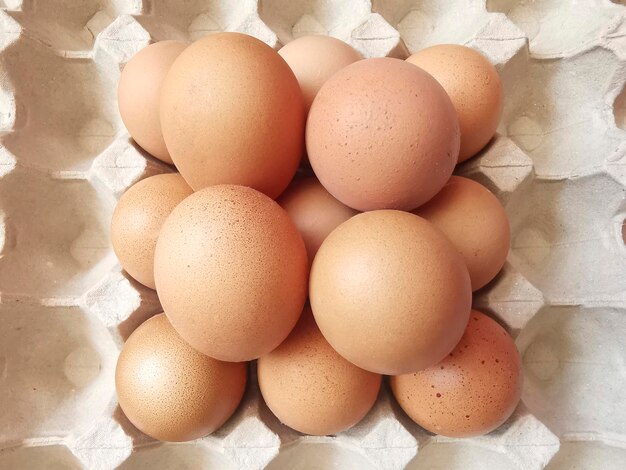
[558, 164]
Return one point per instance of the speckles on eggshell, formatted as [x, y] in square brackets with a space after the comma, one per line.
[475, 397]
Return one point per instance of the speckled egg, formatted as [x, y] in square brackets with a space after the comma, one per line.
[231, 272]
[139, 94]
[170, 391]
[389, 292]
[310, 387]
[473, 390]
[137, 221]
[475, 222]
[314, 210]
[232, 113]
[382, 134]
[474, 87]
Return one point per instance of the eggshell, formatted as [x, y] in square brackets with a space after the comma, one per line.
[169, 390]
[139, 91]
[389, 292]
[475, 222]
[231, 272]
[232, 113]
[314, 211]
[474, 87]
[138, 218]
[314, 59]
[310, 387]
[382, 134]
[473, 390]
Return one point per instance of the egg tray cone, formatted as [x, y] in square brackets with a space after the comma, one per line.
[558, 164]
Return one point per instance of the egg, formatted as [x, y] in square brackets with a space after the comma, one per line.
[474, 87]
[389, 292]
[231, 272]
[137, 221]
[475, 222]
[382, 134]
[139, 91]
[232, 113]
[170, 391]
[473, 390]
[310, 387]
[314, 59]
[314, 211]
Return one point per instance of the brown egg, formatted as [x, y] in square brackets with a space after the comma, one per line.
[139, 91]
[474, 87]
[137, 221]
[310, 387]
[314, 211]
[314, 59]
[382, 134]
[389, 292]
[473, 390]
[231, 272]
[475, 222]
[170, 391]
[232, 113]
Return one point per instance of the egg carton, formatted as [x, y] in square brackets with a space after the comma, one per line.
[558, 164]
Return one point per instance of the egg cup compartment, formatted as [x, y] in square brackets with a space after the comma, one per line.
[171, 455]
[65, 111]
[558, 165]
[426, 23]
[561, 28]
[560, 112]
[353, 22]
[55, 456]
[572, 383]
[166, 20]
[56, 236]
[56, 370]
[587, 453]
[69, 27]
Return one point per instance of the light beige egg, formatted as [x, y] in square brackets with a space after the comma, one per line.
[231, 272]
[474, 87]
[170, 391]
[389, 292]
[137, 221]
[473, 390]
[475, 222]
[310, 387]
[139, 94]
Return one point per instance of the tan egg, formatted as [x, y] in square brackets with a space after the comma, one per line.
[314, 211]
[232, 113]
[314, 59]
[139, 91]
[389, 292]
[475, 222]
[137, 221]
[170, 391]
[474, 87]
[382, 134]
[310, 387]
[473, 390]
[231, 272]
